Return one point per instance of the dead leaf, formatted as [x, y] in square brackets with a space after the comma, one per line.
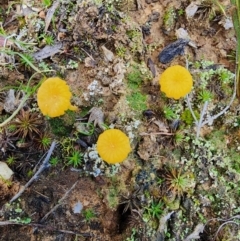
[89, 62]
[48, 51]
[108, 55]
[49, 15]
[12, 100]
[97, 117]
[163, 221]
[161, 125]
[195, 234]
[148, 148]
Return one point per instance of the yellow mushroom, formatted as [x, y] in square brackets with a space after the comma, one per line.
[113, 146]
[176, 82]
[54, 96]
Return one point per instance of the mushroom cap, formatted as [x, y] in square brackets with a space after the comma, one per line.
[113, 146]
[54, 96]
[176, 81]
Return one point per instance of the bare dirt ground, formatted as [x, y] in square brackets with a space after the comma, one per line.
[172, 186]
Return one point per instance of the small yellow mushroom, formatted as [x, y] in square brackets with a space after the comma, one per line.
[54, 96]
[176, 82]
[113, 146]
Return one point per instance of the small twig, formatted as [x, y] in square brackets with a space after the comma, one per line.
[47, 227]
[228, 222]
[59, 203]
[41, 194]
[90, 56]
[44, 165]
[4, 223]
[212, 118]
[156, 133]
[57, 230]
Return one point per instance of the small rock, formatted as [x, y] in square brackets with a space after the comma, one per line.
[172, 50]
[182, 33]
[154, 16]
[77, 208]
[108, 55]
[226, 23]
[5, 172]
[191, 9]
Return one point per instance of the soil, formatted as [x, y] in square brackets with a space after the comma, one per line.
[106, 40]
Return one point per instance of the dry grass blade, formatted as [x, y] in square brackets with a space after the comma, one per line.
[236, 23]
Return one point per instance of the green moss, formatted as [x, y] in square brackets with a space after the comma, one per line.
[169, 113]
[58, 127]
[169, 19]
[135, 78]
[187, 117]
[137, 101]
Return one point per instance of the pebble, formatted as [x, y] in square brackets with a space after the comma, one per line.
[172, 50]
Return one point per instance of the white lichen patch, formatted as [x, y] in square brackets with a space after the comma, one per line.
[94, 89]
[131, 128]
[95, 166]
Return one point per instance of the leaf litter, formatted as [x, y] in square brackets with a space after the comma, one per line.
[101, 44]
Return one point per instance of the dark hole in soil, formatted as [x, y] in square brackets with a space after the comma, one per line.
[123, 218]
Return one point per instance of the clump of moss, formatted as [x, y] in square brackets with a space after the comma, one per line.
[59, 127]
[63, 125]
[137, 101]
[135, 79]
[187, 117]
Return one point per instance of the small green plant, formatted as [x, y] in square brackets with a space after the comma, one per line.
[25, 220]
[89, 214]
[44, 66]
[75, 159]
[27, 124]
[26, 59]
[187, 117]
[179, 138]
[54, 161]
[47, 3]
[169, 113]
[43, 142]
[180, 12]
[30, 173]
[48, 39]
[10, 160]
[205, 95]
[121, 51]
[155, 209]
[179, 183]
[67, 145]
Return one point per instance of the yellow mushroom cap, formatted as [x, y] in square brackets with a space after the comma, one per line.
[54, 96]
[176, 81]
[113, 146]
